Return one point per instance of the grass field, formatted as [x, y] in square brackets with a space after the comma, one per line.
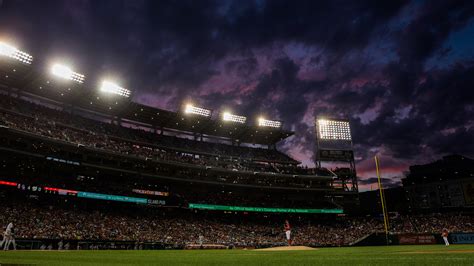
[393, 255]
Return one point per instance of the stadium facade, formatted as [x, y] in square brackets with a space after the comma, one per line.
[446, 184]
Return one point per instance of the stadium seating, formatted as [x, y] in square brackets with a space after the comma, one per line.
[53, 123]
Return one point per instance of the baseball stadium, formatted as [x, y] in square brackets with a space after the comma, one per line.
[89, 175]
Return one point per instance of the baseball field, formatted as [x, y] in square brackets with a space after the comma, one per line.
[391, 255]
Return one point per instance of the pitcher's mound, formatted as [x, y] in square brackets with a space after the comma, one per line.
[287, 248]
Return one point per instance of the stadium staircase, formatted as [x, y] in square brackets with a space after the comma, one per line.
[360, 240]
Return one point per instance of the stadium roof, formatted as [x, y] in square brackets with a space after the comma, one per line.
[39, 82]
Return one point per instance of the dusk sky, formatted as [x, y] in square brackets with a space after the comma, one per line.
[401, 71]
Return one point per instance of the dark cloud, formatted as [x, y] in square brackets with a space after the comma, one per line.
[422, 38]
[364, 99]
[178, 41]
[458, 141]
[242, 67]
[426, 33]
[288, 60]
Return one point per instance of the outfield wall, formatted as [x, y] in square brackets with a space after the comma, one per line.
[379, 239]
[54, 244]
[375, 239]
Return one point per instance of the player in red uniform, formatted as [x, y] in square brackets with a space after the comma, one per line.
[288, 232]
[445, 234]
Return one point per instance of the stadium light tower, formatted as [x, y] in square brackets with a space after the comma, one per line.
[334, 145]
[66, 73]
[227, 116]
[268, 123]
[12, 52]
[112, 88]
[191, 109]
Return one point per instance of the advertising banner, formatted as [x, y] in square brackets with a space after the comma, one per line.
[260, 209]
[414, 239]
[462, 238]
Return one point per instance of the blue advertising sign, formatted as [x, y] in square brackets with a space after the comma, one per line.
[462, 238]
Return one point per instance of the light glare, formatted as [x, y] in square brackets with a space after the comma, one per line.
[191, 109]
[12, 52]
[7, 50]
[66, 73]
[234, 118]
[110, 87]
[62, 71]
[268, 123]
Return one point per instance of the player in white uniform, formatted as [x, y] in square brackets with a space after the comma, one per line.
[8, 237]
[445, 234]
[288, 232]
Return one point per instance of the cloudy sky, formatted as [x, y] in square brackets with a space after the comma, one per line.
[401, 71]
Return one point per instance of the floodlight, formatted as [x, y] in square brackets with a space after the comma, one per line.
[268, 123]
[7, 50]
[110, 87]
[66, 73]
[334, 129]
[191, 109]
[226, 116]
[12, 52]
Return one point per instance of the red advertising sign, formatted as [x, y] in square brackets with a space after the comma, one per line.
[414, 239]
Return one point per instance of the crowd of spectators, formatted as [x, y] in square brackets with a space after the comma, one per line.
[186, 227]
[64, 126]
[454, 222]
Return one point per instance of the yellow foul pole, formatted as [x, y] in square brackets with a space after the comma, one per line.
[382, 199]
